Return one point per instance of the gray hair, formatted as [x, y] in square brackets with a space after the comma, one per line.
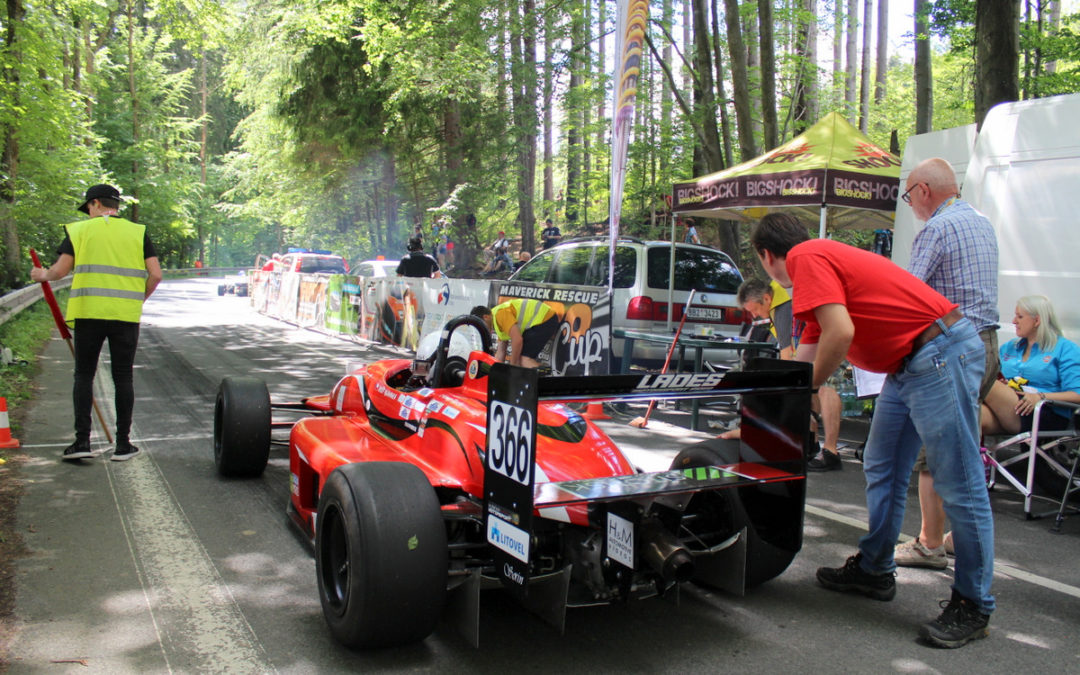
[752, 289]
[1048, 330]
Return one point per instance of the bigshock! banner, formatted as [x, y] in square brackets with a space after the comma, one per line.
[582, 345]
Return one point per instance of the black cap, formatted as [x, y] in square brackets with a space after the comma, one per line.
[101, 191]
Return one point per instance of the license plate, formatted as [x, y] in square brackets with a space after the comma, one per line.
[714, 313]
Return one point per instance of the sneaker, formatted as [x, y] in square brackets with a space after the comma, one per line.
[915, 554]
[78, 450]
[852, 577]
[125, 451]
[825, 461]
[959, 624]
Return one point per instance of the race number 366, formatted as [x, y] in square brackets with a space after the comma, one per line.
[509, 440]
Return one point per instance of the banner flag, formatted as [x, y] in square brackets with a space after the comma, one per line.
[633, 17]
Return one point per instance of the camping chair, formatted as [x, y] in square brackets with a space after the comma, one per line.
[1071, 486]
[1035, 445]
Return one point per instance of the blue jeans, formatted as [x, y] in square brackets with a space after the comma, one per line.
[933, 401]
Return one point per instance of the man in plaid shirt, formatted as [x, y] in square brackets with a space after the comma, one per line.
[956, 254]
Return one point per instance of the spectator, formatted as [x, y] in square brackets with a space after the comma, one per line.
[417, 263]
[117, 271]
[956, 253]
[771, 301]
[691, 233]
[1042, 364]
[887, 321]
[500, 252]
[550, 234]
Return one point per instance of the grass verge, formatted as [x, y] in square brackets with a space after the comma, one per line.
[26, 336]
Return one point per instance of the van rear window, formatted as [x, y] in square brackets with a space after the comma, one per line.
[706, 271]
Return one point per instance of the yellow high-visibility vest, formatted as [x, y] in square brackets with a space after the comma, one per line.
[110, 271]
[525, 313]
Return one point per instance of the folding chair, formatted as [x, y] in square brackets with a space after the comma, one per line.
[1037, 444]
[1071, 486]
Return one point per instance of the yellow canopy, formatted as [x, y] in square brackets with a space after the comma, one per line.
[830, 172]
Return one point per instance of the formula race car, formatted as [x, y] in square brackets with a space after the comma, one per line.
[420, 483]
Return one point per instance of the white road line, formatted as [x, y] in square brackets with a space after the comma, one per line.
[1000, 568]
[199, 625]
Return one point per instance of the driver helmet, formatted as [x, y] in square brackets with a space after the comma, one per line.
[463, 341]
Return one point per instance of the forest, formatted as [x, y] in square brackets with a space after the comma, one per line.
[238, 128]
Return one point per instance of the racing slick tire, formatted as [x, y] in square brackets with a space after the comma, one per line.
[242, 427]
[726, 509]
[380, 555]
[221, 289]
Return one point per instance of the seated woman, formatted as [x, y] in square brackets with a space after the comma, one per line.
[1040, 364]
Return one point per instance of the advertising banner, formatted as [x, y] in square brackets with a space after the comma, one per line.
[582, 345]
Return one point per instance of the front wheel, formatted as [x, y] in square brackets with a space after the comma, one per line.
[380, 555]
[242, 427]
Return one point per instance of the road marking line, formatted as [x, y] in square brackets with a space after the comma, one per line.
[1001, 568]
[194, 613]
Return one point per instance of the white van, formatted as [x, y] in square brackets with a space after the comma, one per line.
[1022, 170]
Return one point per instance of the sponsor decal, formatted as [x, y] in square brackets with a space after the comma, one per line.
[864, 189]
[511, 574]
[872, 157]
[504, 513]
[403, 412]
[509, 538]
[294, 484]
[443, 297]
[474, 367]
[680, 381]
[434, 406]
[786, 186]
[451, 413]
[564, 295]
[620, 540]
[787, 155]
[412, 543]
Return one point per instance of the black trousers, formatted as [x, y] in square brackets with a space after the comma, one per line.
[90, 335]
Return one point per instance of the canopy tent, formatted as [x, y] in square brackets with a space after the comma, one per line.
[830, 172]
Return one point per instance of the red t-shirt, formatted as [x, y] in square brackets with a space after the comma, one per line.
[888, 306]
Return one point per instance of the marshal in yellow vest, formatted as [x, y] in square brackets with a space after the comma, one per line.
[110, 271]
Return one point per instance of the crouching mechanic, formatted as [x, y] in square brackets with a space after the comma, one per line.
[526, 326]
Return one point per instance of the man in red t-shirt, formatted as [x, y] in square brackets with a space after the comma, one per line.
[883, 319]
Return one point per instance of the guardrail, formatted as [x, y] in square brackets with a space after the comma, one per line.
[16, 301]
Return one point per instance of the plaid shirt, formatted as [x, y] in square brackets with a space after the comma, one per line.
[956, 254]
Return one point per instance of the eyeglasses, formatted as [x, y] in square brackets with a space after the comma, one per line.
[907, 195]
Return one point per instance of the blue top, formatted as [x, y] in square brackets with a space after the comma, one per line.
[1056, 370]
[956, 254]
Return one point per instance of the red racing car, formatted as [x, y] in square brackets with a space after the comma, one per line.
[422, 482]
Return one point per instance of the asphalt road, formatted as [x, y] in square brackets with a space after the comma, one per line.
[158, 565]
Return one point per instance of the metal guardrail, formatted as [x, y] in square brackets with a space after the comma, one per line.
[16, 301]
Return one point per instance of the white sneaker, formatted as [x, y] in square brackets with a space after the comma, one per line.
[914, 554]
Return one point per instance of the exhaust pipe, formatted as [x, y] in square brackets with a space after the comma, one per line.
[664, 554]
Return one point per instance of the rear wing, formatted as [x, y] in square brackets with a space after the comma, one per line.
[775, 407]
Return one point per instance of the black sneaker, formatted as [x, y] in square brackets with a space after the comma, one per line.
[959, 624]
[125, 451]
[826, 461]
[852, 577]
[80, 449]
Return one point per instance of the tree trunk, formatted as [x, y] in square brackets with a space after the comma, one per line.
[573, 132]
[704, 102]
[924, 77]
[203, 132]
[721, 94]
[768, 74]
[524, 79]
[740, 81]
[864, 79]
[852, 49]
[882, 50]
[133, 189]
[997, 54]
[838, 45]
[549, 126]
[1053, 25]
[666, 98]
[9, 161]
[804, 113]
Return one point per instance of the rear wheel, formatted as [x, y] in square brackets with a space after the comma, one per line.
[242, 427]
[772, 537]
[380, 555]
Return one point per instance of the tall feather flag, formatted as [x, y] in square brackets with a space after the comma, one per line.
[629, 39]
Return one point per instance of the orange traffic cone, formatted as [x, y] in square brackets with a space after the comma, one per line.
[6, 441]
[595, 411]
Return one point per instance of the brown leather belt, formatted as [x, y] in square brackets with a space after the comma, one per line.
[934, 330]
